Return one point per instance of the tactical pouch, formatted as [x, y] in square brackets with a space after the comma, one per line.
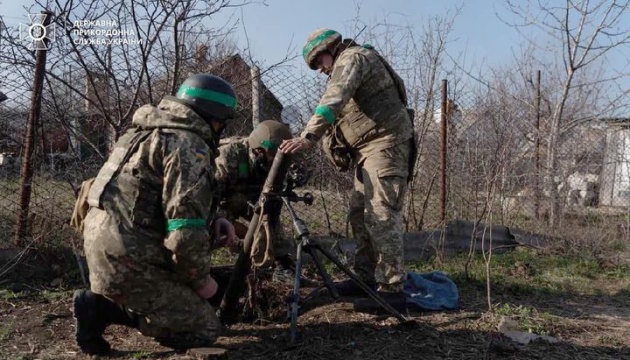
[400, 85]
[355, 126]
[81, 206]
[337, 149]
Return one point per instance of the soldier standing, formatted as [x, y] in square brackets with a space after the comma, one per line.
[146, 241]
[242, 168]
[379, 135]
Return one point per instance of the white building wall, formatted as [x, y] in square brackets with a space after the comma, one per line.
[615, 177]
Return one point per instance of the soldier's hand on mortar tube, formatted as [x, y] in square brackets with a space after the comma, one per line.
[296, 145]
[224, 232]
[208, 289]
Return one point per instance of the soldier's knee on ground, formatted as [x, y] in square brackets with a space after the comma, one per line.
[181, 340]
[185, 341]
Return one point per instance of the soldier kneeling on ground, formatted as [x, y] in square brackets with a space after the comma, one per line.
[145, 234]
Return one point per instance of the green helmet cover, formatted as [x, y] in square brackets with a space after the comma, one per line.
[319, 41]
[268, 135]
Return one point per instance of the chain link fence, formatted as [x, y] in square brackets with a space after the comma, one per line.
[483, 155]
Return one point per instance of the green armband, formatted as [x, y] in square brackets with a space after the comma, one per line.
[325, 112]
[176, 224]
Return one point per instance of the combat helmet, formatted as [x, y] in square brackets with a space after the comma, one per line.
[210, 96]
[268, 135]
[319, 41]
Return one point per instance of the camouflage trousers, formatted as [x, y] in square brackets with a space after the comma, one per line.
[375, 215]
[167, 308]
[174, 315]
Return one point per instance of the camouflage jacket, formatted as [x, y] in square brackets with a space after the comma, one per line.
[158, 185]
[239, 180]
[360, 80]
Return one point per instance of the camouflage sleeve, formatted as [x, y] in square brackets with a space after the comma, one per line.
[187, 201]
[348, 73]
[225, 169]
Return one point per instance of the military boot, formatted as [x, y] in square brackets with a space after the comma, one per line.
[93, 313]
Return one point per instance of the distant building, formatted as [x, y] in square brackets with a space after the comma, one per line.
[236, 71]
[85, 131]
[615, 176]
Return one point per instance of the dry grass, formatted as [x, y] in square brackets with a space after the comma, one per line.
[581, 302]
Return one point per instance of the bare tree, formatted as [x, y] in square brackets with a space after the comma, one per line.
[585, 32]
[106, 60]
[125, 54]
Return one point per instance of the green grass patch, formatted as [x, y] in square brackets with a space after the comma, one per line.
[609, 340]
[223, 256]
[8, 295]
[526, 272]
[52, 296]
[5, 331]
[528, 318]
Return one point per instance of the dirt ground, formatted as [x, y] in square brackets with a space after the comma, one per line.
[39, 325]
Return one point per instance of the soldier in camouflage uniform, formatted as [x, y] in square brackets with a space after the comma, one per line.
[146, 238]
[379, 133]
[242, 168]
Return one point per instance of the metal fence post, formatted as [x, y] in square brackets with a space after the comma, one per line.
[255, 72]
[443, 134]
[26, 172]
[537, 184]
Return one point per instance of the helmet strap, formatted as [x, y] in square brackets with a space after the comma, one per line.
[218, 127]
[261, 165]
[263, 157]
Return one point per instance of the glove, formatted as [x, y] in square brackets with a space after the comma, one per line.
[224, 232]
[208, 289]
